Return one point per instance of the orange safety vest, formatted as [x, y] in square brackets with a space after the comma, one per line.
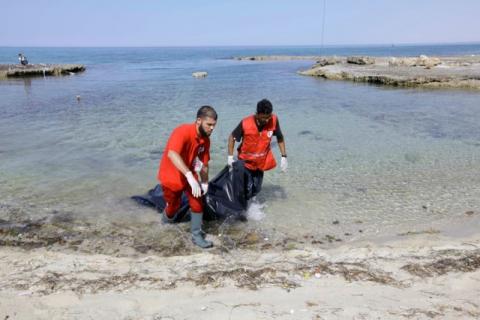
[255, 148]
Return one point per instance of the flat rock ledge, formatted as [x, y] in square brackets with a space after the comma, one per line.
[33, 70]
[276, 58]
[445, 72]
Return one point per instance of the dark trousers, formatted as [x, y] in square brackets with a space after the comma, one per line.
[254, 180]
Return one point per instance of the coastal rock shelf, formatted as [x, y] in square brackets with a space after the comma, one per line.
[422, 71]
[451, 72]
[32, 70]
[276, 58]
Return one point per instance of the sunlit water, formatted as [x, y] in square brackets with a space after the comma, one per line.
[374, 159]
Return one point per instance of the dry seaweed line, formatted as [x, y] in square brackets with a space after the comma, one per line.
[467, 262]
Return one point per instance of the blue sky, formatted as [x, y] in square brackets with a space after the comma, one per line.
[235, 22]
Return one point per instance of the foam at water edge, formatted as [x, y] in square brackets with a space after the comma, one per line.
[255, 210]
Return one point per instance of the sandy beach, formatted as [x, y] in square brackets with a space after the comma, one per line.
[420, 275]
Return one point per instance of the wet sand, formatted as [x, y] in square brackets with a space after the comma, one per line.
[128, 271]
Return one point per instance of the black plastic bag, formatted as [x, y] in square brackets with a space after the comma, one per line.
[154, 198]
[226, 197]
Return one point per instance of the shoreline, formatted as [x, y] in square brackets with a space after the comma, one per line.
[421, 274]
[144, 234]
[402, 279]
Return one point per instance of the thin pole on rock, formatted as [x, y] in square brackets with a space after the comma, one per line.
[323, 22]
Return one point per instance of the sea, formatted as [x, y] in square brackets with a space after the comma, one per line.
[364, 160]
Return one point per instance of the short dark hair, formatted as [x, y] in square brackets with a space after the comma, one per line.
[207, 111]
[264, 106]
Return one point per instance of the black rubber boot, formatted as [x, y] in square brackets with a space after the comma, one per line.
[165, 219]
[198, 237]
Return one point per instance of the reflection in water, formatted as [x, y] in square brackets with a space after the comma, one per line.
[27, 85]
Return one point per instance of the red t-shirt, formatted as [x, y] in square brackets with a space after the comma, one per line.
[185, 141]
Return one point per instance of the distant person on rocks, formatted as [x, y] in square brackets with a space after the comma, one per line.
[188, 151]
[23, 60]
[255, 134]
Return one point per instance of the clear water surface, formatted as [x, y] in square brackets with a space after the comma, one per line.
[374, 158]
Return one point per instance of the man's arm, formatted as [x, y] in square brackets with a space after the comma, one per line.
[178, 161]
[281, 145]
[231, 145]
[204, 174]
[280, 140]
[181, 166]
[236, 135]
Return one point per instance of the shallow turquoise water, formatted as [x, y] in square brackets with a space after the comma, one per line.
[391, 158]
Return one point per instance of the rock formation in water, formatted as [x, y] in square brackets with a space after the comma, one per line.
[200, 74]
[32, 70]
[423, 71]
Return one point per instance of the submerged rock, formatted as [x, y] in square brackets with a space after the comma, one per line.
[200, 74]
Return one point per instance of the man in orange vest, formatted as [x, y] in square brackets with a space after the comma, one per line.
[188, 151]
[255, 134]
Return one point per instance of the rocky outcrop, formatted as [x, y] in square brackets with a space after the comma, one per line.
[360, 60]
[32, 70]
[277, 58]
[200, 74]
[421, 61]
[427, 62]
[328, 61]
[422, 71]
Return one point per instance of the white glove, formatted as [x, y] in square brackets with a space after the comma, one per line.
[204, 187]
[197, 165]
[196, 190]
[230, 161]
[284, 164]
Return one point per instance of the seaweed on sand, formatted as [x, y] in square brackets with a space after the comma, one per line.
[245, 278]
[463, 262]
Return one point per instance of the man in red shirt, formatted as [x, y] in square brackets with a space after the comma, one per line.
[188, 151]
[255, 134]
